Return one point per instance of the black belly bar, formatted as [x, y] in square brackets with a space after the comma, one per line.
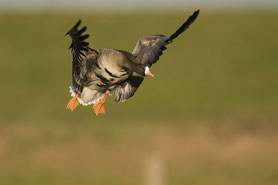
[111, 74]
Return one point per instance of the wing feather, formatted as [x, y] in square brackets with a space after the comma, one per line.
[128, 89]
[148, 49]
[78, 48]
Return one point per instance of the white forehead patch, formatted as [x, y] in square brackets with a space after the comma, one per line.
[147, 69]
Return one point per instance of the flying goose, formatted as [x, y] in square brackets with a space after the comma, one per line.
[97, 73]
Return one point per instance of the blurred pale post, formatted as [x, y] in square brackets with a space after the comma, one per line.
[154, 171]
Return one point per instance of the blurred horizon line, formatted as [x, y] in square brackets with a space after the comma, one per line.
[122, 5]
[99, 9]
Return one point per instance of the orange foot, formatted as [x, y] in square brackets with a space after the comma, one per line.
[73, 103]
[99, 106]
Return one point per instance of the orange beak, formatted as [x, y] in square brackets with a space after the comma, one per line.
[148, 72]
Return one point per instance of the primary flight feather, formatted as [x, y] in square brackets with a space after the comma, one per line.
[97, 73]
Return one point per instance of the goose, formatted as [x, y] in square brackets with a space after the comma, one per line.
[99, 73]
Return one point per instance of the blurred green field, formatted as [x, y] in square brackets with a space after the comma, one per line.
[210, 112]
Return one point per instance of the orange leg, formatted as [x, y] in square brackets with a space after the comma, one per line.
[99, 106]
[73, 103]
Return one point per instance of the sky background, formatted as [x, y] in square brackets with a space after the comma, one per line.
[18, 4]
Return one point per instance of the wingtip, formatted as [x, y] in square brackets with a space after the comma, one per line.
[77, 24]
[74, 27]
[196, 13]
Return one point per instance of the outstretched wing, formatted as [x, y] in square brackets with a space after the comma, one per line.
[147, 51]
[78, 48]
